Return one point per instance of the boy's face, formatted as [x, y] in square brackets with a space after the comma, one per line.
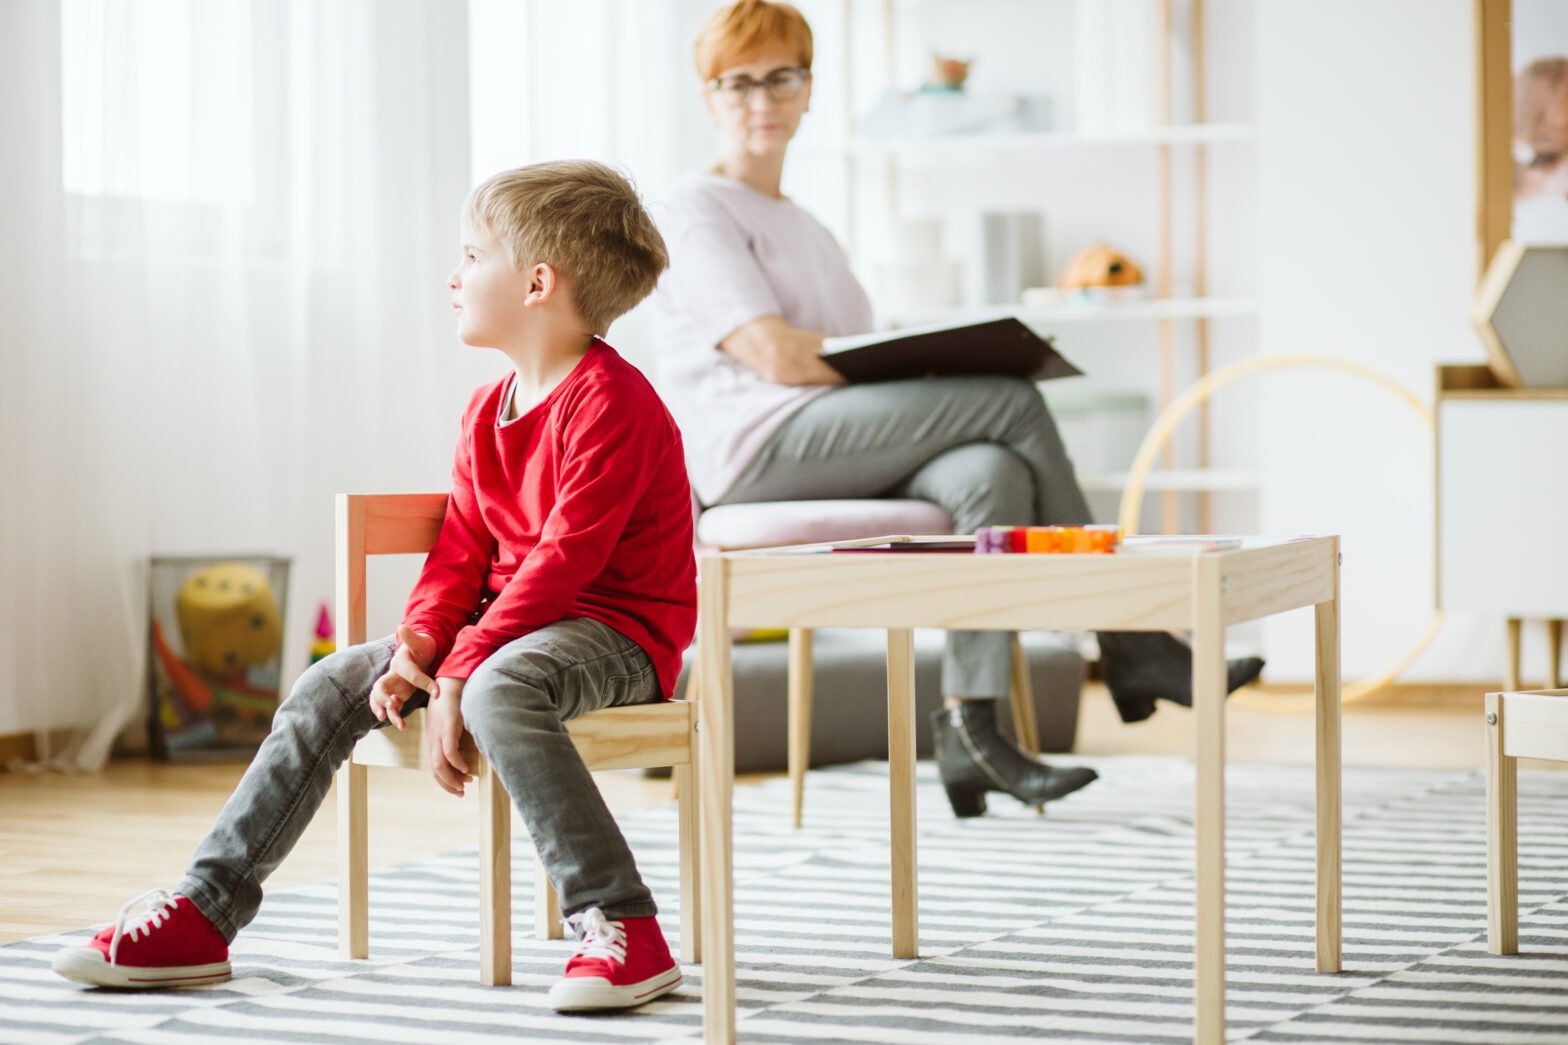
[489, 295]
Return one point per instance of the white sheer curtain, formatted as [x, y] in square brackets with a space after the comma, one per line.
[612, 80]
[225, 227]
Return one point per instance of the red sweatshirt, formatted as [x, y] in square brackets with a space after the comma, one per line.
[578, 508]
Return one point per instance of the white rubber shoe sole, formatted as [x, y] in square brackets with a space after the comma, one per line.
[580, 993]
[88, 965]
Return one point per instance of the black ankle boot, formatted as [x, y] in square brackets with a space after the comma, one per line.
[974, 758]
[1141, 666]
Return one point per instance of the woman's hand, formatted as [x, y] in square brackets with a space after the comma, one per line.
[781, 353]
[444, 737]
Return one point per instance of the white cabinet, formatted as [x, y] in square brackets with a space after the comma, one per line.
[1502, 503]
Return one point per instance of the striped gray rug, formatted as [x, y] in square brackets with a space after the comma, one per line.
[1074, 926]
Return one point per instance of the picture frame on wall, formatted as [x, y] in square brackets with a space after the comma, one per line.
[1522, 133]
[1521, 305]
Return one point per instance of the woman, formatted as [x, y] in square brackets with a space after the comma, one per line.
[755, 283]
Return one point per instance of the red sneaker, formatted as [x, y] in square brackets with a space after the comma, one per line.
[170, 944]
[619, 964]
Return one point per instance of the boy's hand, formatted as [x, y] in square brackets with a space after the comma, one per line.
[444, 738]
[404, 675]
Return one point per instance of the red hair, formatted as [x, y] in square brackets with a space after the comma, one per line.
[735, 33]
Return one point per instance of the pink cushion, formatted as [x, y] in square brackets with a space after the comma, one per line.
[732, 527]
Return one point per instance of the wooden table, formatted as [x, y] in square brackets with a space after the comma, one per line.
[1140, 589]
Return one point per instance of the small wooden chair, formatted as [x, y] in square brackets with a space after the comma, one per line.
[1518, 725]
[644, 736]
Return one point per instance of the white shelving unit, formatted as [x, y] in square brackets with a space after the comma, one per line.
[1185, 480]
[940, 149]
[1091, 311]
[1166, 307]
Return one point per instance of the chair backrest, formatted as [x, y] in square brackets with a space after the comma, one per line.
[378, 524]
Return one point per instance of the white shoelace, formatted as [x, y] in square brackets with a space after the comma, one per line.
[160, 906]
[601, 938]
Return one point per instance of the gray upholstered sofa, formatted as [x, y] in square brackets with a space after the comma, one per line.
[849, 705]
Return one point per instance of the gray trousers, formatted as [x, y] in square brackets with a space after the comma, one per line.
[984, 448]
[515, 705]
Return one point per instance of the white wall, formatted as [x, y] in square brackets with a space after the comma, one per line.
[1351, 220]
[1367, 183]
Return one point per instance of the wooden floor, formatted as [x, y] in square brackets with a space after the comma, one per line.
[74, 848]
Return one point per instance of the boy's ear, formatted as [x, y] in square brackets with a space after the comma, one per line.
[541, 283]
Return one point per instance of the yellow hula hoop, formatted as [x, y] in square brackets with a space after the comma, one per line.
[1165, 425]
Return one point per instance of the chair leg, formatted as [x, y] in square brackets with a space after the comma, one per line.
[1511, 672]
[547, 906]
[495, 880]
[693, 692]
[353, 863]
[1026, 728]
[693, 679]
[800, 681]
[690, 865]
[1502, 836]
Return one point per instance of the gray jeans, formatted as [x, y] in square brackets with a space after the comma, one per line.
[515, 705]
[984, 448]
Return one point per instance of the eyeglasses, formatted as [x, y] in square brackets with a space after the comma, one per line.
[781, 85]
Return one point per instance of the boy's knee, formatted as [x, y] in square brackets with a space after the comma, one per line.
[489, 690]
[479, 696]
[314, 688]
[344, 677]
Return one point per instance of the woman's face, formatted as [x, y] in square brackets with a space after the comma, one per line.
[757, 106]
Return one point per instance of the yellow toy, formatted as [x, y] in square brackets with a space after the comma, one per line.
[229, 619]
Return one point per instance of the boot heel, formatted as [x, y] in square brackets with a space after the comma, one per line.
[966, 801]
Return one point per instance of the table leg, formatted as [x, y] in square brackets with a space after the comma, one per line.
[799, 695]
[901, 789]
[1502, 835]
[715, 785]
[1327, 704]
[1208, 702]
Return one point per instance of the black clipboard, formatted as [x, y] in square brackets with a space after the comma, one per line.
[1004, 346]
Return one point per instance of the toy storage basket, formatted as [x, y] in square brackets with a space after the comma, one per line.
[215, 656]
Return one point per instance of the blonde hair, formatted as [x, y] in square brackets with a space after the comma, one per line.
[583, 219]
[737, 32]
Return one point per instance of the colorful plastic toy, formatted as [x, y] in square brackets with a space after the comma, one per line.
[324, 646]
[1047, 540]
[187, 685]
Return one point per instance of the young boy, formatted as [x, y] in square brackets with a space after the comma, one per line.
[563, 581]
